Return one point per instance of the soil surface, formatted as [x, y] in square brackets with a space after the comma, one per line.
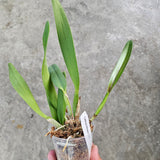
[71, 128]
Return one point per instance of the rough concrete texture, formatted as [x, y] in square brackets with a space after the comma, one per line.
[128, 128]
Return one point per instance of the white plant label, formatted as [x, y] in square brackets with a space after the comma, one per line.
[86, 130]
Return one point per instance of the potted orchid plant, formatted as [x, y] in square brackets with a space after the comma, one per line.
[67, 131]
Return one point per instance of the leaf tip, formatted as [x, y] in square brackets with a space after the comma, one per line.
[45, 36]
[130, 43]
[47, 22]
[9, 65]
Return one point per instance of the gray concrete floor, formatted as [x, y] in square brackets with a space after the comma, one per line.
[128, 128]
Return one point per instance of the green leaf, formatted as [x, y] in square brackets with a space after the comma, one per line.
[67, 46]
[64, 74]
[120, 66]
[57, 77]
[49, 88]
[116, 74]
[61, 107]
[59, 80]
[53, 109]
[75, 101]
[45, 36]
[23, 90]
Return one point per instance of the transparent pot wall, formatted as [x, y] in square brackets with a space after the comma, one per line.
[76, 149]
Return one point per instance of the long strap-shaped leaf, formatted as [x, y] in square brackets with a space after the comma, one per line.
[120, 66]
[23, 90]
[116, 74]
[57, 77]
[49, 88]
[59, 80]
[61, 107]
[67, 47]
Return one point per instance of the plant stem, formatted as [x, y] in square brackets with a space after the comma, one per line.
[75, 101]
[69, 108]
[100, 106]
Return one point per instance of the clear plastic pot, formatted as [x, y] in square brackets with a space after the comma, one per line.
[76, 149]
